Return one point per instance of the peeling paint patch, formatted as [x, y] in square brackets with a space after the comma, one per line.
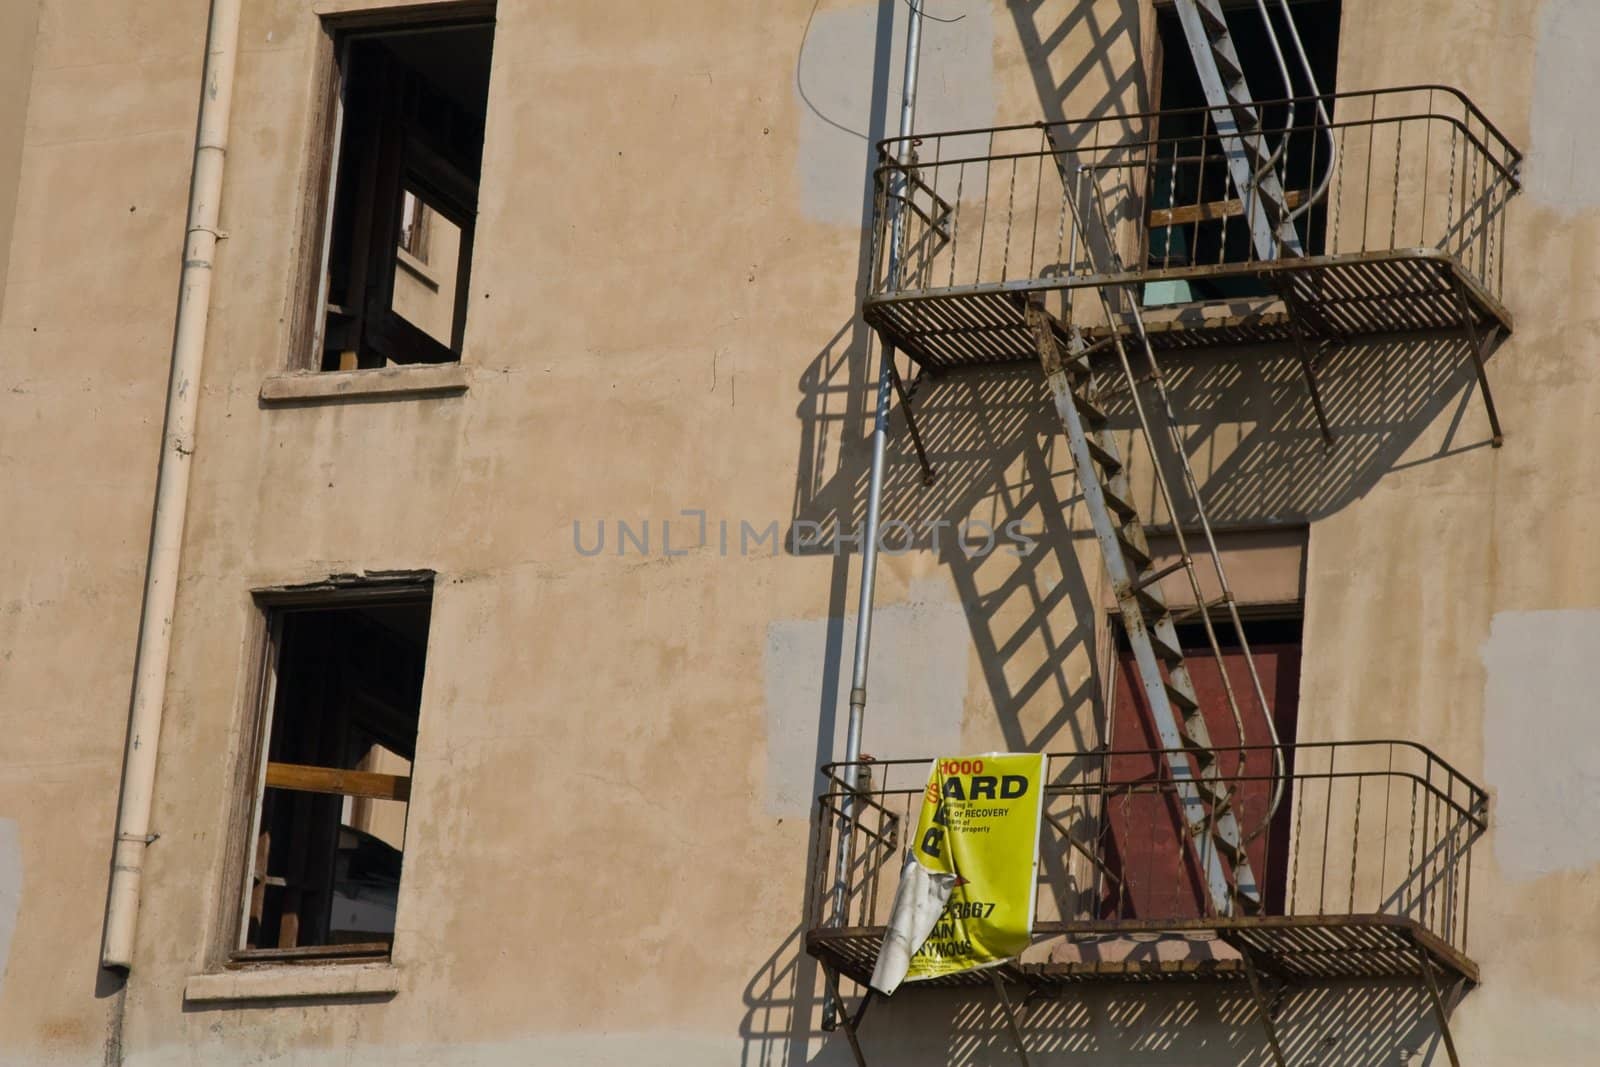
[915, 693]
[1541, 745]
[10, 888]
[1564, 154]
[834, 88]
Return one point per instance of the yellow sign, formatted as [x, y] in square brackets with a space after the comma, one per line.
[980, 823]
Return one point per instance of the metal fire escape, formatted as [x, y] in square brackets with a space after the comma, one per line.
[1058, 210]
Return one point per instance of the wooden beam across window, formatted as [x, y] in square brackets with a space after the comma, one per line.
[1216, 209]
[307, 779]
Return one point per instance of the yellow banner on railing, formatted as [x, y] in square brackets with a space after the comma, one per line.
[966, 895]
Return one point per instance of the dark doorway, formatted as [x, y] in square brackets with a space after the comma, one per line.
[1189, 170]
[1143, 828]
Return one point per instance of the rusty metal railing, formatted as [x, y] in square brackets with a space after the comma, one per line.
[1415, 168]
[1367, 828]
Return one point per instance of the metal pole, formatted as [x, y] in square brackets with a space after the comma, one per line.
[880, 429]
[880, 441]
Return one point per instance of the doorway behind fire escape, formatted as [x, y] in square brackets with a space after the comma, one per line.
[1154, 874]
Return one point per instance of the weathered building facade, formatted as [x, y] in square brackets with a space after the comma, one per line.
[513, 586]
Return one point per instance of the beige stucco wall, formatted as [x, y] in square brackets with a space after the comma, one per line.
[18, 21]
[606, 845]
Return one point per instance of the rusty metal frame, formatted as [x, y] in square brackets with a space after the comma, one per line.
[1011, 1016]
[1420, 905]
[929, 475]
[1263, 1010]
[850, 1022]
[1475, 346]
[1425, 964]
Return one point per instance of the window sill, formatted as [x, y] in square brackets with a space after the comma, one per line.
[386, 383]
[294, 981]
[416, 268]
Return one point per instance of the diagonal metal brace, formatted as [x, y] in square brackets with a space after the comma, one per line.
[1425, 964]
[1475, 345]
[929, 475]
[848, 1021]
[1263, 1009]
[1011, 1015]
[1307, 365]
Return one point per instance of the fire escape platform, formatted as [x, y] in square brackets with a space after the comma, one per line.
[1334, 297]
[1297, 947]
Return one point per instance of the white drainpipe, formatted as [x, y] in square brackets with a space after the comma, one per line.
[172, 490]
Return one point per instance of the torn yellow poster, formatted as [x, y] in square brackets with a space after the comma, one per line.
[966, 895]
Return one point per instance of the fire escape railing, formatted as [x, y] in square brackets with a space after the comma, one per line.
[1418, 168]
[1367, 828]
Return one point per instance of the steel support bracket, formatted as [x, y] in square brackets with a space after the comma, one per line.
[929, 475]
[1307, 363]
[850, 1022]
[1263, 1009]
[1011, 1015]
[1475, 343]
[1425, 964]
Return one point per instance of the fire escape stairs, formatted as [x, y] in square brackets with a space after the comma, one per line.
[1215, 840]
[1251, 160]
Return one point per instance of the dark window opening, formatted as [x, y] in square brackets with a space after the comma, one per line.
[1154, 875]
[330, 822]
[405, 194]
[1194, 217]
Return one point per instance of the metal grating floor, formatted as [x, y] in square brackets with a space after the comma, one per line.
[1337, 297]
[1300, 947]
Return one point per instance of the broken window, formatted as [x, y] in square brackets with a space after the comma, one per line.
[1195, 217]
[344, 686]
[403, 194]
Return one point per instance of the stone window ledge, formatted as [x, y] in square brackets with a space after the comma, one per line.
[384, 383]
[294, 981]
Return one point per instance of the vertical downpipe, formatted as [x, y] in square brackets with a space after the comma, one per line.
[172, 489]
[880, 442]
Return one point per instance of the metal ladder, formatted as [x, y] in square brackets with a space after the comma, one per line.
[1146, 618]
[1252, 163]
[1214, 834]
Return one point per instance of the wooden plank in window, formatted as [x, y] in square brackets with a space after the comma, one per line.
[1216, 209]
[307, 779]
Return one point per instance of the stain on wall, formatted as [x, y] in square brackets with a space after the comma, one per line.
[915, 692]
[1564, 154]
[10, 888]
[834, 87]
[1541, 748]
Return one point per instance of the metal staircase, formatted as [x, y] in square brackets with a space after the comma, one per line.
[1215, 839]
[936, 297]
[1252, 162]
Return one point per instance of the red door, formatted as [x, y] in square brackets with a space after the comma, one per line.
[1152, 873]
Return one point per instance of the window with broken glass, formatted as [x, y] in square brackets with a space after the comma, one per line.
[403, 193]
[342, 693]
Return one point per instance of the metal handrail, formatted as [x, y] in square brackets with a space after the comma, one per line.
[1321, 191]
[1508, 169]
[1419, 169]
[1475, 808]
[1381, 827]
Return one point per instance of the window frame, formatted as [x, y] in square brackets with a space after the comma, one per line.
[270, 606]
[309, 314]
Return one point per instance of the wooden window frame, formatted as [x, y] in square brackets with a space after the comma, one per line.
[257, 773]
[399, 340]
